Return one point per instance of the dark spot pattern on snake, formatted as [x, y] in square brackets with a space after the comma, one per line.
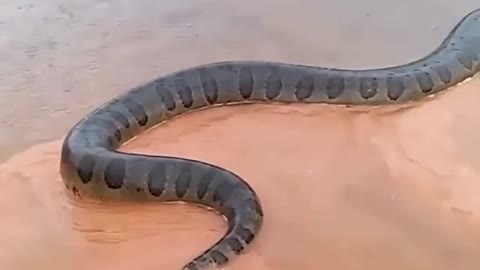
[273, 85]
[395, 88]
[234, 245]
[85, 168]
[209, 86]
[183, 182]
[120, 118]
[156, 179]
[335, 87]
[203, 184]
[115, 173]
[245, 83]
[218, 257]
[165, 96]
[246, 235]
[137, 111]
[304, 87]
[368, 87]
[184, 92]
[444, 74]
[424, 81]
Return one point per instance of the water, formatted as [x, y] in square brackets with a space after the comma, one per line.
[341, 189]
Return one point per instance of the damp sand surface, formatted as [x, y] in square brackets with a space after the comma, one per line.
[341, 189]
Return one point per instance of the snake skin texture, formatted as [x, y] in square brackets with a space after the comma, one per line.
[91, 166]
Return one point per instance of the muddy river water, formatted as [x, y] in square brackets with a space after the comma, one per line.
[341, 189]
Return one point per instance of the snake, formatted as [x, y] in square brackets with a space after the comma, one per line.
[92, 166]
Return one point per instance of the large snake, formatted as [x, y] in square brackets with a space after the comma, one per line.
[92, 167]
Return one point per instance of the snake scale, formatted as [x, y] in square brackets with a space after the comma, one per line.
[92, 167]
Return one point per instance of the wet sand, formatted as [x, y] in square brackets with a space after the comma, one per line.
[341, 189]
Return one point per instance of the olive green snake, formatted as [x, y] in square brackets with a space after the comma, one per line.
[91, 166]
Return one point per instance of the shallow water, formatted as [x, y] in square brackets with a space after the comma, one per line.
[408, 199]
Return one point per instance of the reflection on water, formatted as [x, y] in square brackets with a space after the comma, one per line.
[341, 189]
[60, 59]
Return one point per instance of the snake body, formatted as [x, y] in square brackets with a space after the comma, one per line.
[92, 167]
